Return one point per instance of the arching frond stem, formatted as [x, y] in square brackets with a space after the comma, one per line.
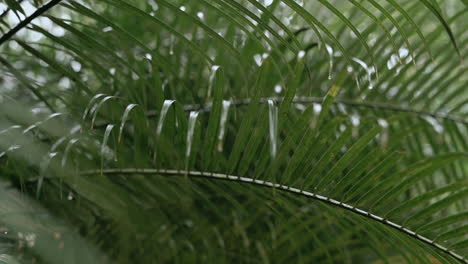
[282, 187]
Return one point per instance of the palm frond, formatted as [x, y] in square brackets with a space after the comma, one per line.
[234, 131]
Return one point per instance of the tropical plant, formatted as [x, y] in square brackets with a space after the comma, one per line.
[238, 131]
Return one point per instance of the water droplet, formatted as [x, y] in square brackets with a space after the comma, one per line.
[148, 56]
[153, 5]
[258, 59]
[64, 83]
[222, 125]
[382, 122]
[76, 66]
[182, 8]
[107, 29]
[125, 115]
[171, 46]
[403, 52]
[355, 121]
[301, 55]
[392, 62]
[299, 2]
[201, 15]
[39, 110]
[165, 108]
[273, 121]
[189, 223]
[286, 19]
[317, 108]
[384, 135]
[191, 130]
[342, 128]
[69, 198]
[267, 2]
[330, 65]
[300, 107]
[278, 88]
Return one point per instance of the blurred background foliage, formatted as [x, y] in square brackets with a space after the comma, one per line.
[246, 131]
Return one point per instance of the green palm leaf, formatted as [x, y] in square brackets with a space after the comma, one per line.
[233, 131]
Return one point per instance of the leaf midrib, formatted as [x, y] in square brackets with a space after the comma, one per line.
[285, 188]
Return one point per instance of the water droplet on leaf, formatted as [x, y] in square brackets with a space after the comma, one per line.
[273, 121]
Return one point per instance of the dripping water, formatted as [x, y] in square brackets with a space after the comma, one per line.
[273, 120]
[222, 125]
[190, 132]
[171, 47]
[330, 65]
[317, 110]
[384, 136]
[355, 121]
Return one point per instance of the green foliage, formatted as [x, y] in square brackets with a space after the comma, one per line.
[233, 131]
